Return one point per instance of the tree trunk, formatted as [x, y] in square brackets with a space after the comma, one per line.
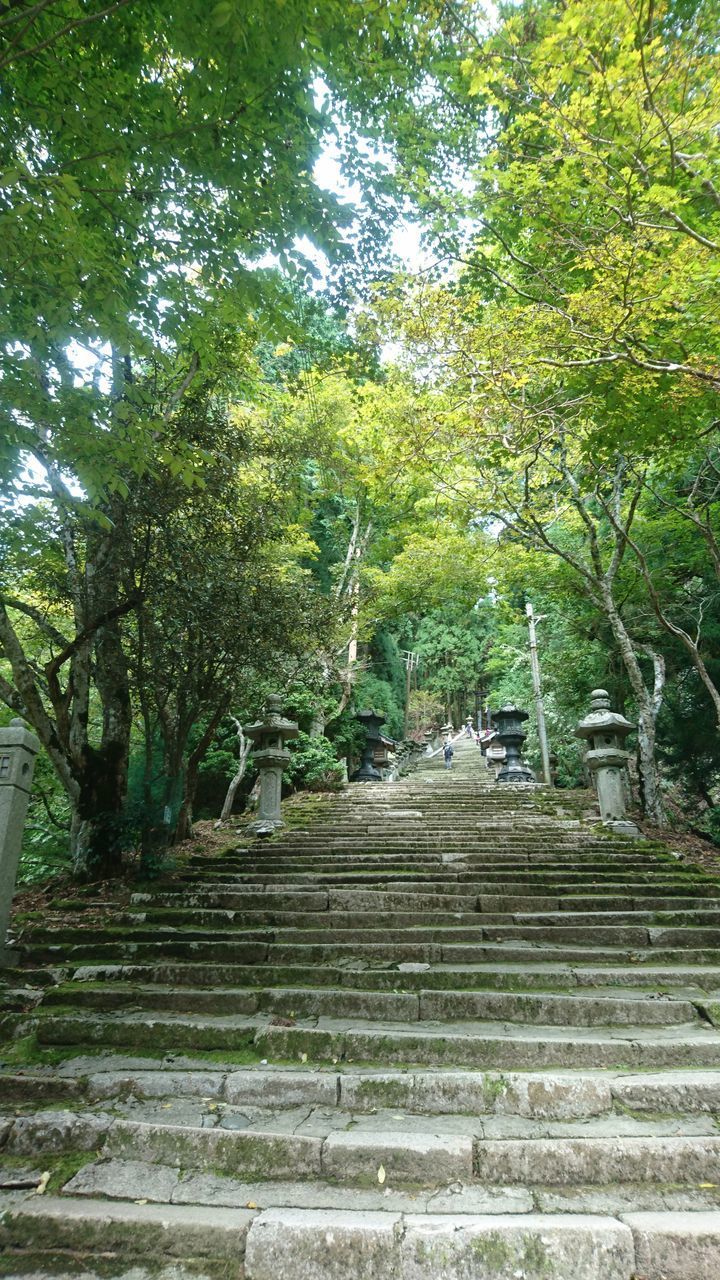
[184, 825]
[190, 770]
[97, 831]
[648, 707]
[317, 728]
[244, 745]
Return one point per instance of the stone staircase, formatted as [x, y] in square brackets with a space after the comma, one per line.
[436, 1029]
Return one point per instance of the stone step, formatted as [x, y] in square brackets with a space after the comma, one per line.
[117, 1179]
[505, 976]
[236, 945]
[559, 1096]
[606, 1161]
[263, 949]
[347, 1147]
[436, 896]
[284, 1243]
[474, 1044]
[423, 1005]
[485, 897]
[277, 1244]
[576, 856]
[122, 1233]
[438, 911]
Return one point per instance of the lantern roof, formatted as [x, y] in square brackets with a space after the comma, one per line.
[601, 719]
[274, 721]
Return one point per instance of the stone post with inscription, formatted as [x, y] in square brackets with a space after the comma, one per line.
[18, 749]
[271, 757]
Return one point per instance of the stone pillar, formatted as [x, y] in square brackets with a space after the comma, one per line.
[605, 732]
[508, 722]
[18, 749]
[367, 772]
[271, 757]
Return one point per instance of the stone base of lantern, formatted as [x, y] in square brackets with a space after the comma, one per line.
[623, 827]
[516, 773]
[367, 773]
[263, 827]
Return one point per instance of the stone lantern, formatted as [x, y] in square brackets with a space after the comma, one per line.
[18, 749]
[508, 722]
[370, 722]
[271, 757]
[605, 732]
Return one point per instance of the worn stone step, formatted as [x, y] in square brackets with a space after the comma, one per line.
[336, 1244]
[559, 1095]
[121, 1232]
[474, 1044]
[568, 896]
[347, 1156]
[300, 951]
[701, 916]
[118, 1179]
[347, 1149]
[502, 976]
[608, 1161]
[423, 1005]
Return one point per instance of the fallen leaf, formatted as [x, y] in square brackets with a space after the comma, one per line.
[381, 1174]
[141, 1202]
[303, 1057]
[42, 1184]
[706, 1185]
[251, 1205]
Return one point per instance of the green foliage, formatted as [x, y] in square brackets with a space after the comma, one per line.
[386, 664]
[375, 694]
[452, 643]
[314, 765]
[45, 849]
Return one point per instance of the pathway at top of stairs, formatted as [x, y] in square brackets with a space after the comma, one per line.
[437, 1029]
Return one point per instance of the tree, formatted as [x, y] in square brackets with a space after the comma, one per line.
[150, 156]
[598, 202]
[577, 349]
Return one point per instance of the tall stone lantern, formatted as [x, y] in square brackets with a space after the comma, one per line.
[18, 749]
[508, 723]
[271, 757]
[370, 722]
[605, 732]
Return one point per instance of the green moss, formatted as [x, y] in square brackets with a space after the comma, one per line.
[66, 1166]
[711, 1010]
[386, 1093]
[493, 1087]
[244, 1056]
[27, 1051]
[33, 1262]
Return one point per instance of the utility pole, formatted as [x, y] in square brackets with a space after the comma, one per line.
[539, 707]
[411, 661]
